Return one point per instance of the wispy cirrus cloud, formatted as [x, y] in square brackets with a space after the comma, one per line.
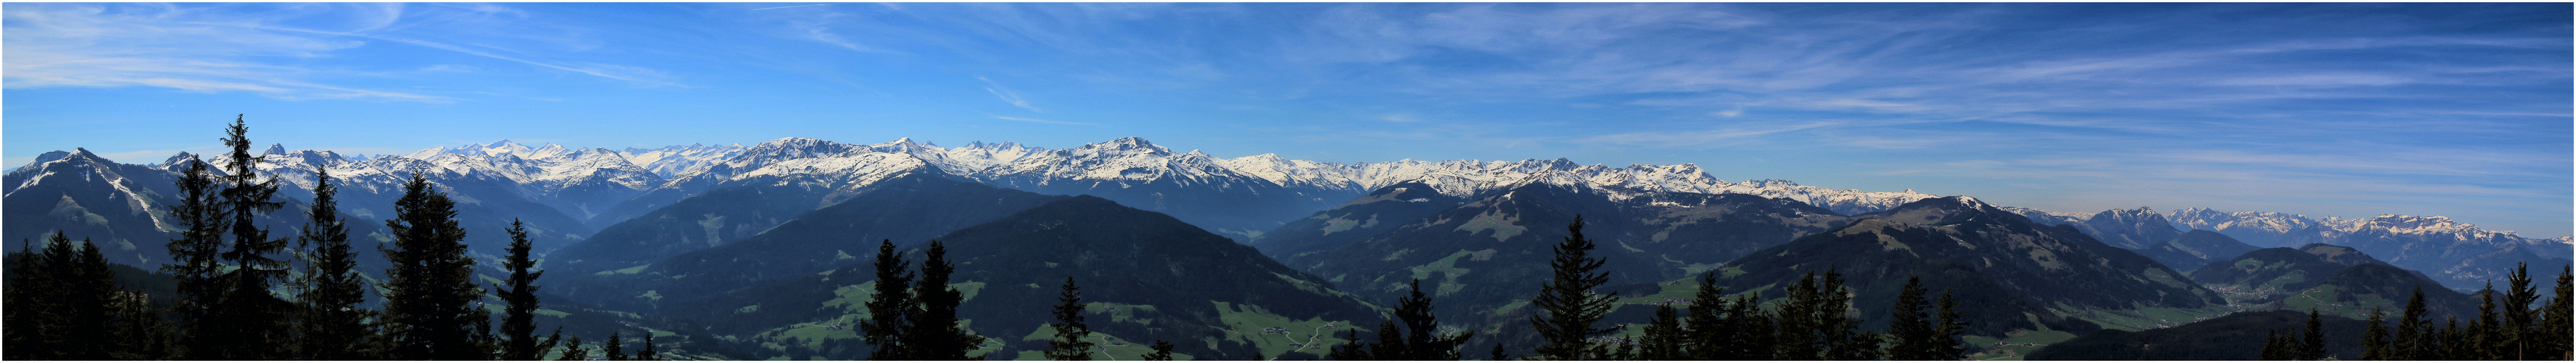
[281, 51]
[1043, 121]
[1007, 95]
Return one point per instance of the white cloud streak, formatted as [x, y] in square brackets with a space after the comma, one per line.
[257, 48]
[1007, 95]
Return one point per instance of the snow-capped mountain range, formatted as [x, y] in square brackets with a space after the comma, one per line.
[2461, 255]
[594, 183]
[1137, 160]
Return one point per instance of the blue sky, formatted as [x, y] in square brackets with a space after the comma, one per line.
[2322, 109]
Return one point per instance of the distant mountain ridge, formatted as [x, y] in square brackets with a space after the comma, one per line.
[2148, 233]
[2005, 267]
[1243, 196]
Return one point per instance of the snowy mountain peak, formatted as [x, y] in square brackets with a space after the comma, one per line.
[907, 146]
[1128, 144]
[174, 159]
[1966, 200]
[996, 146]
[2397, 223]
[52, 156]
[274, 149]
[2141, 214]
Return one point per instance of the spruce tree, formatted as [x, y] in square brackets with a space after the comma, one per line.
[2485, 335]
[1390, 342]
[2276, 346]
[574, 351]
[1705, 324]
[2452, 342]
[139, 332]
[1162, 351]
[1911, 327]
[518, 319]
[2374, 341]
[1070, 333]
[1945, 336]
[60, 303]
[1843, 338]
[23, 315]
[1352, 349]
[252, 321]
[2312, 343]
[1567, 305]
[2558, 319]
[614, 350]
[890, 309]
[1761, 328]
[329, 321]
[92, 291]
[649, 353]
[935, 333]
[1798, 338]
[84, 287]
[1498, 354]
[2415, 338]
[1812, 324]
[2520, 334]
[548, 344]
[432, 308]
[195, 259]
[1422, 339]
[1664, 337]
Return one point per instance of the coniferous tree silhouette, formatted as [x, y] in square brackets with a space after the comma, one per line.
[195, 259]
[1422, 339]
[613, 349]
[1567, 305]
[432, 307]
[1946, 335]
[573, 350]
[2312, 343]
[1725, 329]
[1812, 325]
[1707, 325]
[2558, 319]
[935, 334]
[60, 299]
[139, 332]
[1664, 338]
[1798, 339]
[2415, 338]
[649, 352]
[330, 324]
[2374, 340]
[548, 345]
[1352, 349]
[251, 322]
[890, 309]
[2520, 334]
[1842, 335]
[23, 315]
[1390, 342]
[2277, 346]
[518, 320]
[1498, 354]
[2453, 341]
[1912, 327]
[2485, 336]
[1070, 333]
[1162, 351]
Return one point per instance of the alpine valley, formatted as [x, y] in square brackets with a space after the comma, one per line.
[765, 251]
